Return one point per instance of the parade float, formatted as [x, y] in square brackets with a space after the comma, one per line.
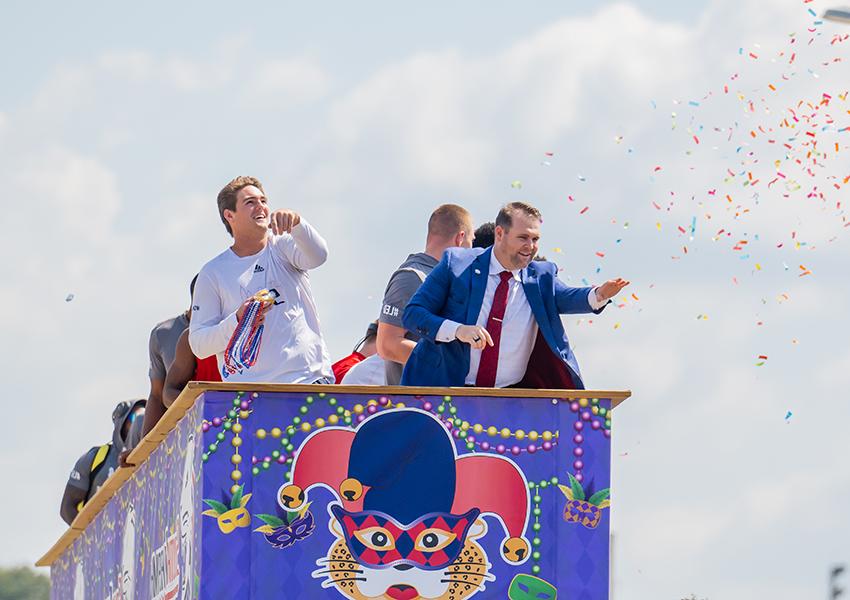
[290, 491]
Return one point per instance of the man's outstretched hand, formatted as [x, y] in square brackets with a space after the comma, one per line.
[610, 288]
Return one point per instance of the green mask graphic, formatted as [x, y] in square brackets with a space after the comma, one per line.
[528, 587]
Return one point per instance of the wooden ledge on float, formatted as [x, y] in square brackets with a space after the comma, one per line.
[190, 393]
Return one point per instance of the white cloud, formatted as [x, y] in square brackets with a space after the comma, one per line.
[61, 191]
[282, 83]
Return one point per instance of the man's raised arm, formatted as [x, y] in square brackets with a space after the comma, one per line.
[300, 244]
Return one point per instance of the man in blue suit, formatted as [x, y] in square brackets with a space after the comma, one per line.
[491, 317]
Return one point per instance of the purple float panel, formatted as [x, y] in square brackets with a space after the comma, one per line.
[341, 492]
[339, 495]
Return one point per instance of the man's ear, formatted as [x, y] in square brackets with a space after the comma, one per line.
[228, 214]
[498, 233]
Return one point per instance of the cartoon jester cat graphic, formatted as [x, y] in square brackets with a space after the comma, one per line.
[410, 512]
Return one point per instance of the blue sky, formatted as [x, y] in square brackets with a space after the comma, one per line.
[118, 125]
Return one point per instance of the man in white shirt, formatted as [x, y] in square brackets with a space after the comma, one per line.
[291, 349]
[491, 317]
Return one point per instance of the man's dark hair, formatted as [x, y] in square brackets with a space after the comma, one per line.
[227, 196]
[485, 235]
[505, 217]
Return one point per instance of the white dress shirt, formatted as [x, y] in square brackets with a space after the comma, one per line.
[519, 328]
[292, 349]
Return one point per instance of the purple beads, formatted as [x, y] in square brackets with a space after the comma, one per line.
[383, 400]
[485, 446]
[531, 448]
[578, 452]
[578, 438]
[428, 406]
[500, 448]
[244, 405]
[578, 425]
[595, 425]
[547, 446]
[216, 421]
[205, 427]
[372, 409]
[578, 465]
[516, 450]
[574, 406]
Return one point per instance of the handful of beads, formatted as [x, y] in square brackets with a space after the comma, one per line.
[244, 345]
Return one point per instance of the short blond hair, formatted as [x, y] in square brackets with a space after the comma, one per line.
[448, 220]
[227, 195]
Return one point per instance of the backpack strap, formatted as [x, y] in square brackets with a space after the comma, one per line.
[419, 273]
[98, 459]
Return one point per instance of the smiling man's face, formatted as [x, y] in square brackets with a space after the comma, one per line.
[517, 246]
[252, 211]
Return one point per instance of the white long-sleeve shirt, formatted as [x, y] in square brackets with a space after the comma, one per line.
[292, 349]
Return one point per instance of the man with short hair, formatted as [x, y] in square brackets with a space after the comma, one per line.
[491, 317]
[292, 349]
[450, 225]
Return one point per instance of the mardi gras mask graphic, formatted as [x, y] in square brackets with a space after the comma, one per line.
[431, 542]
[528, 587]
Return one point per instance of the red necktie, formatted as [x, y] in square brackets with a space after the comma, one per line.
[486, 376]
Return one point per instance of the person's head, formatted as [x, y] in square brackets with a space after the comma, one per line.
[484, 235]
[517, 235]
[125, 413]
[449, 225]
[368, 345]
[243, 207]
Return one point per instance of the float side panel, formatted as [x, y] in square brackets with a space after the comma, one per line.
[143, 542]
[292, 553]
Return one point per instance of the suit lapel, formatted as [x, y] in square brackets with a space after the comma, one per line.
[535, 300]
[479, 270]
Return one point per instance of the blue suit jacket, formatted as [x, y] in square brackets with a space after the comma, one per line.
[455, 290]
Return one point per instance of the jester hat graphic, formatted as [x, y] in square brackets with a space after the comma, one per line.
[403, 463]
